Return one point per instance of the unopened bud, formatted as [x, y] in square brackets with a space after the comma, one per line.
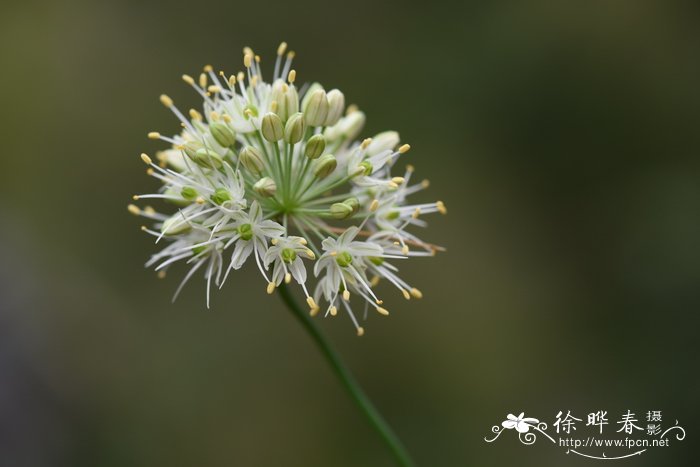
[223, 134]
[265, 187]
[348, 127]
[189, 193]
[336, 106]
[272, 128]
[315, 147]
[382, 142]
[325, 166]
[354, 203]
[316, 109]
[205, 157]
[341, 210]
[251, 159]
[220, 196]
[294, 129]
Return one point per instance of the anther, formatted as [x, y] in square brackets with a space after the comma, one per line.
[374, 206]
[166, 101]
[161, 274]
[360, 331]
[406, 295]
[398, 180]
[416, 293]
[383, 311]
[195, 115]
[404, 149]
[271, 287]
[281, 49]
[441, 207]
[346, 295]
[188, 79]
[334, 311]
[202, 80]
[247, 59]
[287, 278]
[147, 160]
[292, 76]
[154, 135]
[208, 68]
[133, 209]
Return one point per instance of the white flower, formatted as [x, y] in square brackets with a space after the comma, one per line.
[521, 424]
[266, 172]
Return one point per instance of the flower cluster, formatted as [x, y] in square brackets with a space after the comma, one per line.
[275, 175]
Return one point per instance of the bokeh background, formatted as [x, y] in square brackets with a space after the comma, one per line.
[562, 135]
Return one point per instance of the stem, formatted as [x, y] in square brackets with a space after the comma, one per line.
[348, 381]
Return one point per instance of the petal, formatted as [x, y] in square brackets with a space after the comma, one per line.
[298, 270]
[255, 212]
[508, 424]
[522, 427]
[365, 249]
[240, 254]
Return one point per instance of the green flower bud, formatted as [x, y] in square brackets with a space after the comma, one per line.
[336, 106]
[291, 101]
[307, 96]
[315, 147]
[265, 187]
[205, 157]
[220, 196]
[252, 160]
[189, 193]
[288, 255]
[376, 260]
[393, 215]
[343, 259]
[354, 203]
[174, 225]
[174, 196]
[341, 210]
[272, 128]
[325, 166]
[316, 109]
[222, 134]
[245, 231]
[294, 129]
[191, 148]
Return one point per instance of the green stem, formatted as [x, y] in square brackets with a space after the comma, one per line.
[348, 381]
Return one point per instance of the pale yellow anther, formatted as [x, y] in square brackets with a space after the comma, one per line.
[291, 54]
[247, 51]
[282, 49]
[194, 115]
[366, 143]
[144, 228]
[273, 106]
[404, 149]
[310, 254]
[149, 210]
[398, 180]
[441, 207]
[274, 241]
[311, 302]
[383, 311]
[346, 295]
[303, 241]
[150, 171]
[188, 79]
[161, 274]
[146, 159]
[214, 115]
[154, 135]
[240, 76]
[208, 68]
[416, 213]
[334, 311]
[271, 287]
[285, 88]
[292, 76]
[287, 278]
[227, 118]
[248, 113]
[254, 81]
[203, 79]
[379, 302]
[214, 89]
[133, 209]
[135, 197]
[404, 250]
[166, 101]
[257, 59]
[374, 205]
[406, 295]
[200, 200]
[392, 185]
[410, 168]
[416, 293]
[247, 60]
[425, 183]
[314, 311]
[360, 331]
[333, 253]
[352, 108]
[374, 281]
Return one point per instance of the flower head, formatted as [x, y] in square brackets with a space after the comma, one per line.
[269, 173]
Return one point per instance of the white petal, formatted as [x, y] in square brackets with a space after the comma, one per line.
[240, 254]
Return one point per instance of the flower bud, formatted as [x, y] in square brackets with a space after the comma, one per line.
[316, 109]
[189, 193]
[325, 166]
[220, 196]
[222, 134]
[354, 203]
[344, 259]
[382, 142]
[265, 187]
[251, 159]
[272, 128]
[205, 157]
[291, 101]
[288, 255]
[336, 106]
[341, 210]
[245, 231]
[307, 95]
[315, 147]
[294, 129]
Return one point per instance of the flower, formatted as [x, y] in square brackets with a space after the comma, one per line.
[269, 173]
[522, 425]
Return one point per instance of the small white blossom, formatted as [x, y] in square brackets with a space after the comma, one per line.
[264, 170]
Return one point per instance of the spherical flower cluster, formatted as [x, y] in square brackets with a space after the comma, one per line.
[274, 175]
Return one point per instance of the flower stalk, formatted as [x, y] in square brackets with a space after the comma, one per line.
[348, 381]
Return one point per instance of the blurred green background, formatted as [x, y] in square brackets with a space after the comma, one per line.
[563, 137]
